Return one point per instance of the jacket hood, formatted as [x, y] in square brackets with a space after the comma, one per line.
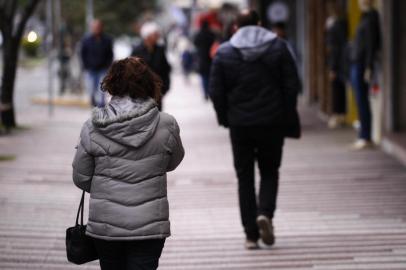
[252, 41]
[127, 121]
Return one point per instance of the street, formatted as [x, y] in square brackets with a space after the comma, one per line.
[337, 209]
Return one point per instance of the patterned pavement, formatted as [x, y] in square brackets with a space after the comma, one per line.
[338, 209]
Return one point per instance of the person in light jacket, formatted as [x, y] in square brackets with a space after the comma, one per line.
[124, 153]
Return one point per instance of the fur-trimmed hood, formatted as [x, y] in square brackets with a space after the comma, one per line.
[127, 121]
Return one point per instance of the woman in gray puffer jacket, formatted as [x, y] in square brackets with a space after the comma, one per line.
[124, 152]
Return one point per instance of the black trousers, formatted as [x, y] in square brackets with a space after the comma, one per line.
[129, 255]
[263, 145]
[339, 96]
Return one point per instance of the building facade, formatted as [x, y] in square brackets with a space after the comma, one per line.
[394, 77]
[306, 25]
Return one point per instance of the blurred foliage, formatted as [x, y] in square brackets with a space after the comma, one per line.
[7, 158]
[118, 16]
[73, 13]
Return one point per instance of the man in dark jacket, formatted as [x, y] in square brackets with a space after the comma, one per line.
[154, 54]
[97, 55]
[336, 41]
[364, 53]
[254, 86]
[203, 41]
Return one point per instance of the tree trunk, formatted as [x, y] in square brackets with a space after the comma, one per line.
[10, 59]
[12, 34]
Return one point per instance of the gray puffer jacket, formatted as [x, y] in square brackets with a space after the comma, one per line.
[124, 152]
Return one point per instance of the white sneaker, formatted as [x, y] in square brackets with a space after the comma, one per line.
[266, 230]
[333, 122]
[250, 244]
[336, 121]
[362, 144]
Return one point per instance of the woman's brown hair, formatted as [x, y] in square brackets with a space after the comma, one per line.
[131, 76]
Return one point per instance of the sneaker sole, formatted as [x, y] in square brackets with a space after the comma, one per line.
[251, 247]
[267, 235]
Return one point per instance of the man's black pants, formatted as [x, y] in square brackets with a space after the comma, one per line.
[129, 255]
[339, 96]
[263, 145]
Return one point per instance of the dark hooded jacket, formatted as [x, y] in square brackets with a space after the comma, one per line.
[157, 61]
[254, 82]
[336, 41]
[203, 41]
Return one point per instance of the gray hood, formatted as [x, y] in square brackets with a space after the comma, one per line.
[127, 121]
[252, 41]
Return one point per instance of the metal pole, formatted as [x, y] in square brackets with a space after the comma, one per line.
[58, 14]
[59, 44]
[49, 42]
[89, 14]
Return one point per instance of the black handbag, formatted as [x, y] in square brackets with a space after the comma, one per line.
[80, 248]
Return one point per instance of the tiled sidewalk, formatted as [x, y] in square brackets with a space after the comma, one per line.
[338, 209]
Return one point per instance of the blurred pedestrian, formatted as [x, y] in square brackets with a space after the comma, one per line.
[204, 40]
[124, 152]
[364, 54]
[187, 55]
[64, 57]
[336, 41]
[254, 86]
[97, 55]
[154, 54]
[279, 28]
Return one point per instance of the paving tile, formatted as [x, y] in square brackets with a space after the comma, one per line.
[337, 209]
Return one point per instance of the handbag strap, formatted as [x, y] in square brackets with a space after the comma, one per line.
[80, 210]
